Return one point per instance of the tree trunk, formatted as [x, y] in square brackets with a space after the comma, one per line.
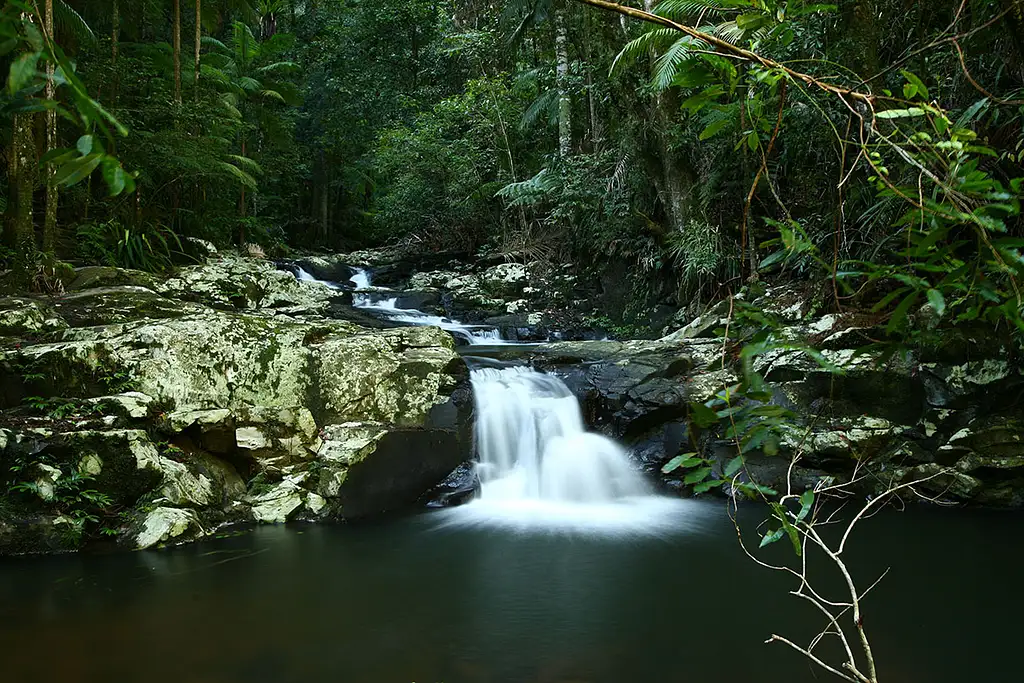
[199, 40]
[861, 16]
[177, 51]
[562, 82]
[50, 222]
[115, 40]
[18, 231]
[672, 176]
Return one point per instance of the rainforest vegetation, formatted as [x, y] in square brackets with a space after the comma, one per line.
[691, 146]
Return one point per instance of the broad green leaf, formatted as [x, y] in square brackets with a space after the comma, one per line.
[772, 537]
[77, 170]
[734, 466]
[916, 82]
[806, 502]
[901, 113]
[714, 128]
[84, 145]
[697, 476]
[751, 21]
[702, 415]
[22, 71]
[937, 301]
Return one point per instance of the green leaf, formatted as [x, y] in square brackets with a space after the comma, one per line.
[697, 476]
[937, 301]
[84, 145]
[772, 537]
[734, 466]
[714, 128]
[900, 314]
[917, 83]
[22, 71]
[704, 417]
[901, 113]
[751, 21]
[806, 503]
[706, 486]
[77, 170]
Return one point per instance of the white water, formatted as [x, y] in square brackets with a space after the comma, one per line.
[373, 301]
[361, 280]
[538, 466]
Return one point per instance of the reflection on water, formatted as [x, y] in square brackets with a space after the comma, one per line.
[410, 600]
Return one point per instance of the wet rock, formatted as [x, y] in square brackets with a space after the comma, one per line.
[457, 488]
[165, 524]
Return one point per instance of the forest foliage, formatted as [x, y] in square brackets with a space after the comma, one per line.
[874, 146]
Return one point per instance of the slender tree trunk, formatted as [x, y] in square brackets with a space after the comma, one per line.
[199, 40]
[241, 207]
[177, 51]
[115, 40]
[50, 221]
[562, 80]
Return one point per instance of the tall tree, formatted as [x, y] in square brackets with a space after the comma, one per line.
[177, 51]
[50, 220]
[199, 40]
[562, 78]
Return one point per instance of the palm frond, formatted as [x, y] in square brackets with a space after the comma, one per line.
[237, 173]
[249, 165]
[668, 64]
[67, 20]
[530, 191]
[684, 10]
[646, 44]
[545, 104]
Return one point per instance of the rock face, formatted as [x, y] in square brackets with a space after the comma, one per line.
[220, 395]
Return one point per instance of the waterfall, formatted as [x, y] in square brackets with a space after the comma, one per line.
[539, 467]
[531, 443]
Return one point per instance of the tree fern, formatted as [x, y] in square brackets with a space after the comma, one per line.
[532, 191]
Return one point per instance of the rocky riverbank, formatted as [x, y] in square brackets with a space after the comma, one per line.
[151, 410]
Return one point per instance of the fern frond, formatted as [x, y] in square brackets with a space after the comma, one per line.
[545, 104]
[727, 31]
[648, 43]
[684, 10]
[237, 173]
[668, 64]
[249, 165]
[69, 21]
[530, 191]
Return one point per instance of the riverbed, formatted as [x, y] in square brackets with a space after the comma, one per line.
[415, 599]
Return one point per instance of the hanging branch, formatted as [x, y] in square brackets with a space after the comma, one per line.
[735, 51]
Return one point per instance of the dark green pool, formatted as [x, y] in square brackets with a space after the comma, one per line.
[403, 601]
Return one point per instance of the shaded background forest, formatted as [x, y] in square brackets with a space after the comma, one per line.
[523, 128]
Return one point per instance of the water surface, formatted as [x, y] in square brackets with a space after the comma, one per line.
[408, 600]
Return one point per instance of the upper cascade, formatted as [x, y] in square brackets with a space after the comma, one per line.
[386, 306]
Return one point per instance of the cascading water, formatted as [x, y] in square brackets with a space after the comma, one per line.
[539, 466]
[361, 279]
[368, 298]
